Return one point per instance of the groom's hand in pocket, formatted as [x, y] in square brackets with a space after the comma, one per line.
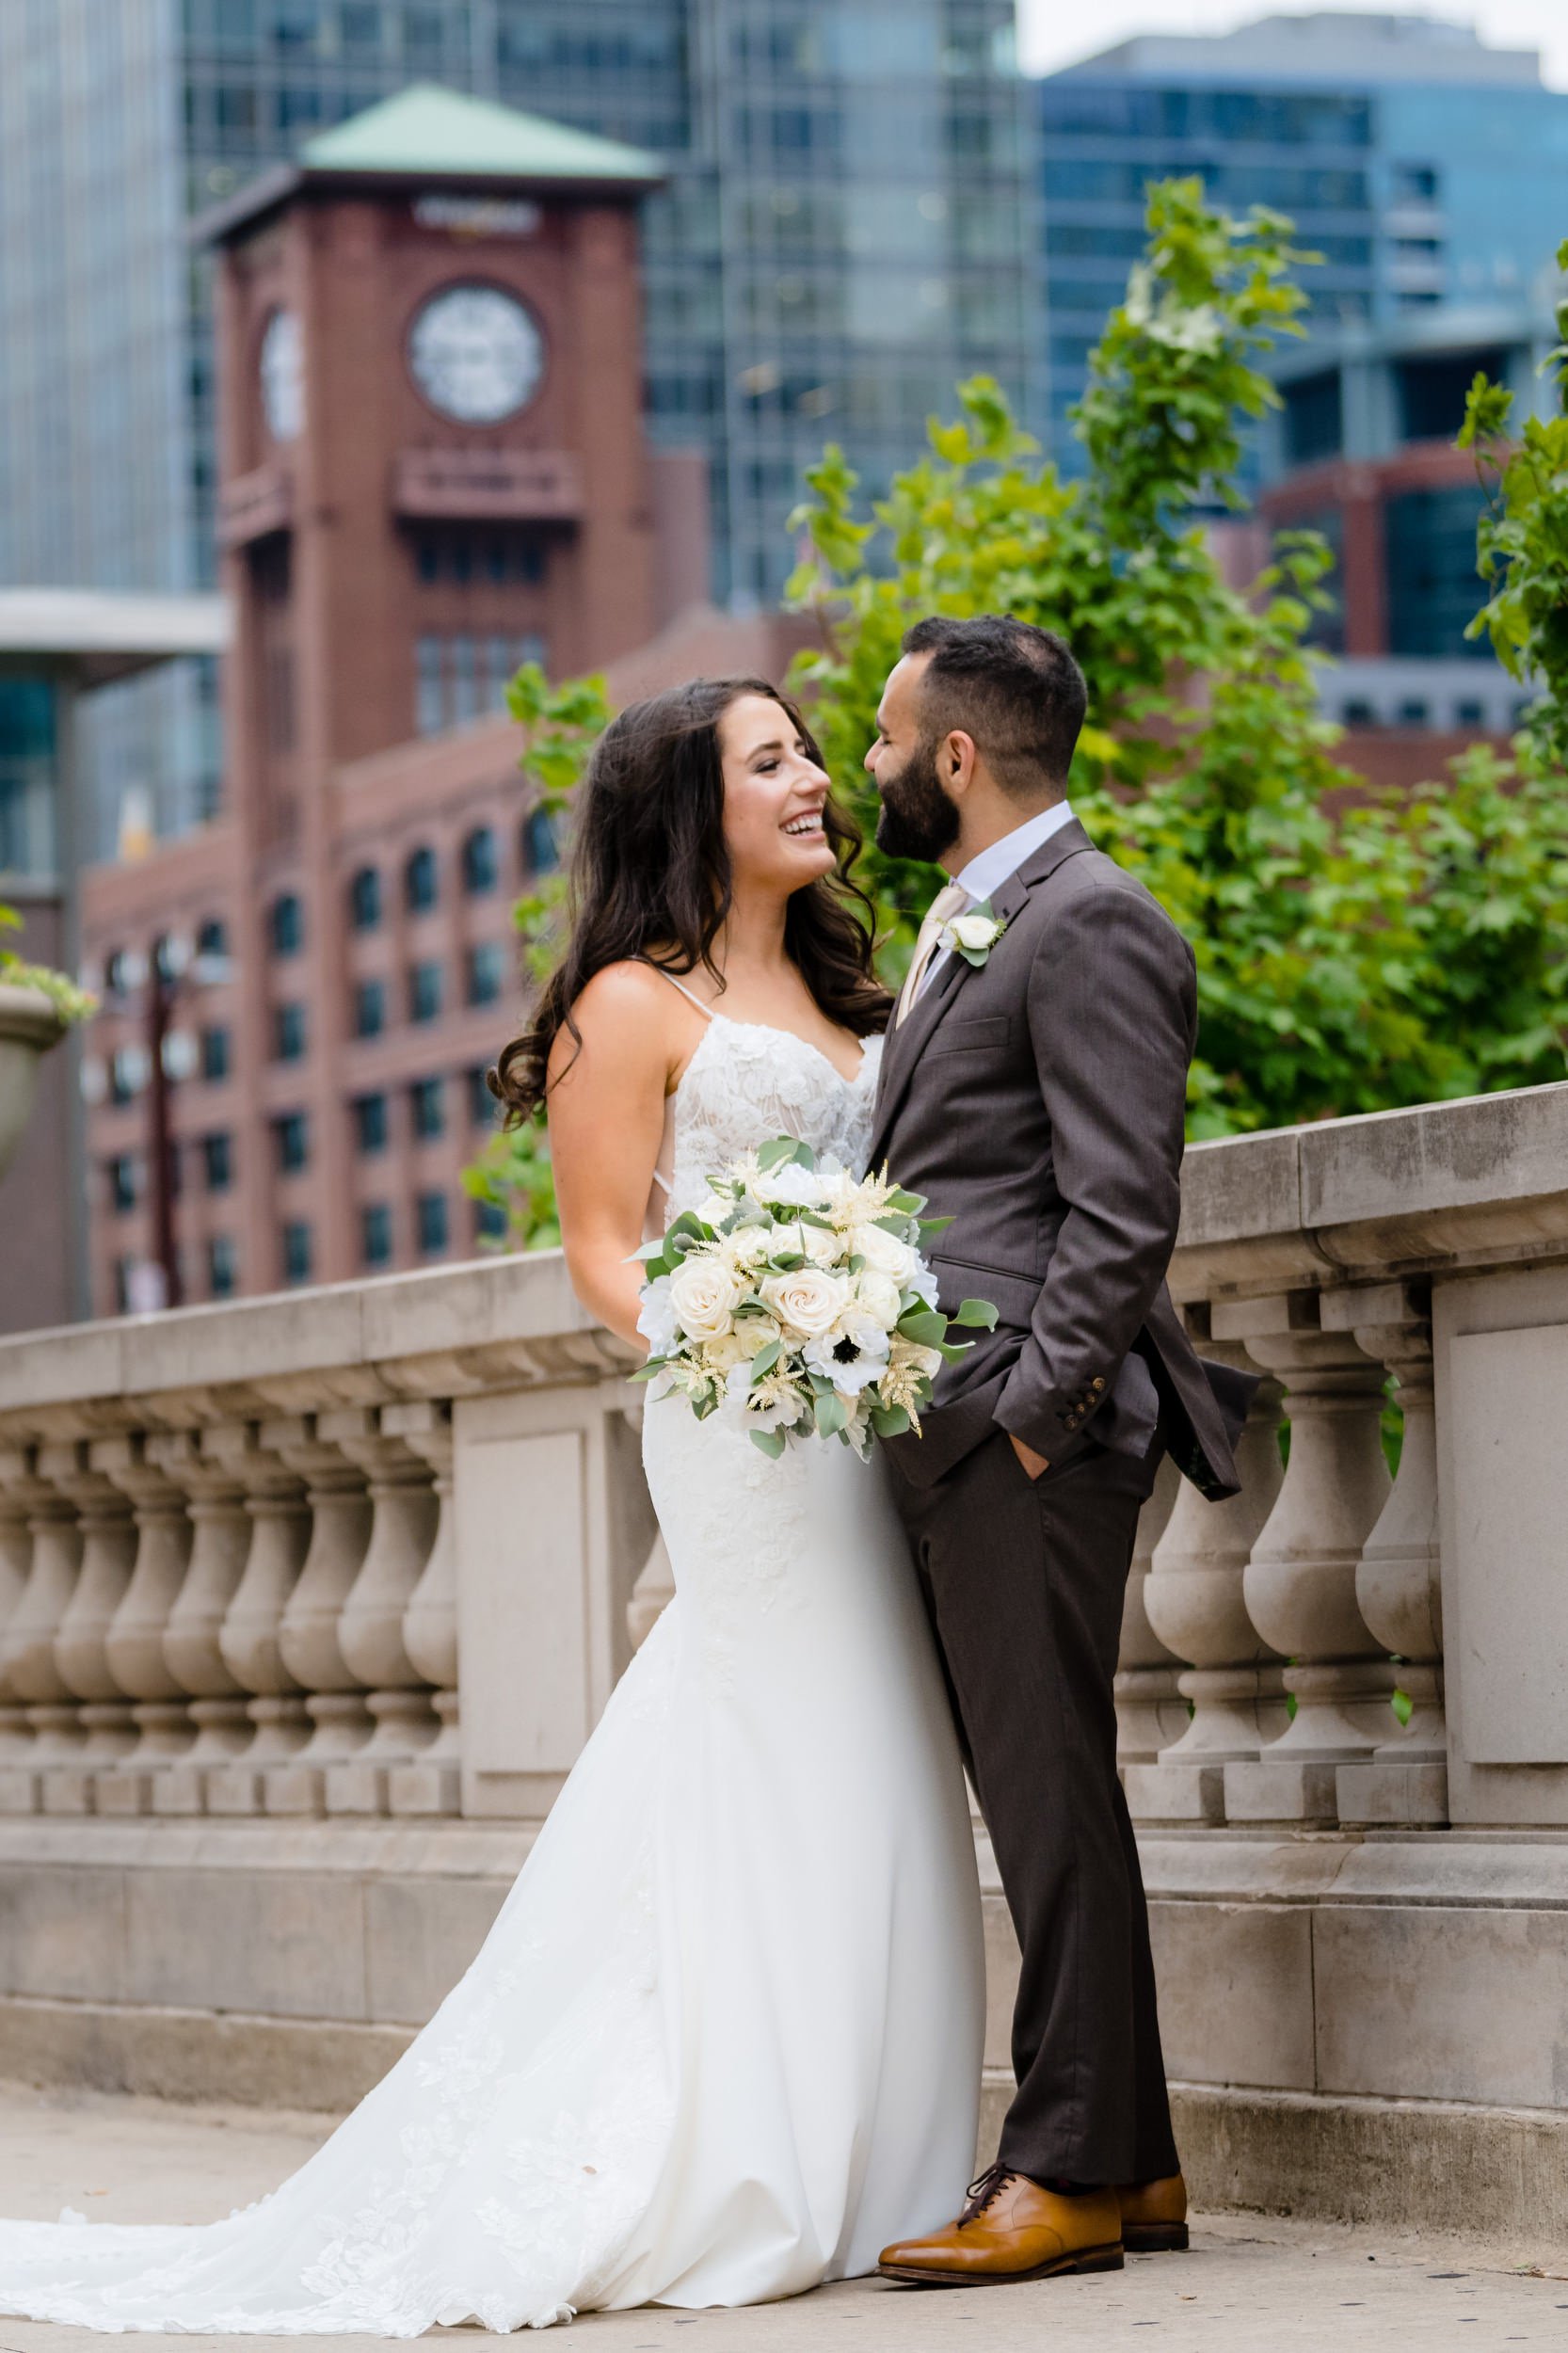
[1033, 1464]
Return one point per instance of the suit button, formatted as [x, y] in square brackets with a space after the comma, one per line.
[1097, 1383]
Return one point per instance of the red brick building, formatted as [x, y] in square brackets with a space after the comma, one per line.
[433, 467]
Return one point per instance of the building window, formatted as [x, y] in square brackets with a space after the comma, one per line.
[117, 972]
[430, 690]
[465, 679]
[297, 1251]
[370, 1123]
[427, 1100]
[1413, 713]
[217, 1162]
[287, 924]
[481, 864]
[293, 1134]
[430, 1221]
[489, 1222]
[1313, 418]
[487, 971]
[222, 1266]
[122, 1182]
[424, 990]
[212, 939]
[1429, 558]
[540, 854]
[1431, 393]
[215, 1054]
[420, 881]
[1358, 712]
[370, 1008]
[288, 1033]
[1469, 713]
[375, 1234]
[483, 1108]
[364, 899]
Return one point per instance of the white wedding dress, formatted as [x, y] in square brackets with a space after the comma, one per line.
[723, 2042]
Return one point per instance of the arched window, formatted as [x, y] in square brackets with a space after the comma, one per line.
[481, 865]
[364, 899]
[212, 939]
[287, 924]
[420, 882]
[539, 853]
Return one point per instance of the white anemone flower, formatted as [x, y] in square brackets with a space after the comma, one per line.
[851, 1355]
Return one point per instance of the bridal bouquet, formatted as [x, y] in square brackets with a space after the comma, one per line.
[797, 1298]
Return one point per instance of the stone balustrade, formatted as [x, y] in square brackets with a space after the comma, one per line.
[308, 1604]
[229, 1561]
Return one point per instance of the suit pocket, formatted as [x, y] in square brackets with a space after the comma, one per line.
[1012, 1296]
[974, 1036]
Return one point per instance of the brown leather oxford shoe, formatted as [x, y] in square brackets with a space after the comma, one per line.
[1012, 2228]
[1154, 2215]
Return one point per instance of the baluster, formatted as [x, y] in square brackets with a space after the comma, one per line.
[370, 1632]
[81, 1652]
[651, 1594]
[307, 1641]
[1300, 1584]
[432, 1784]
[251, 1633]
[205, 1466]
[1195, 1603]
[27, 1655]
[1148, 1707]
[16, 1557]
[134, 1643]
[1398, 1582]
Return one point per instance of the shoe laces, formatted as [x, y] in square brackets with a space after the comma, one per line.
[983, 2191]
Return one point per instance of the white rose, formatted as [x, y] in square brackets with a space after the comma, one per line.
[821, 1246]
[809, 1300]
[704, 1295]
[721, 1356]
[744, 1249]
[797, 1188]
[656, 1319]
[973, 931]
[877, 1296]
[884, 1253]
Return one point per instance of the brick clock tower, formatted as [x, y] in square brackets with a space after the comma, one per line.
[433, 467]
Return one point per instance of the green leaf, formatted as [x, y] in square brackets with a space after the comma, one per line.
[831, 1415]
[765, 1360]
[976, 1314]
[772, 1441]
[889, 1421]
[925, 1326]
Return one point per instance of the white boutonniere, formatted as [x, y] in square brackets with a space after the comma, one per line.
[972, 936]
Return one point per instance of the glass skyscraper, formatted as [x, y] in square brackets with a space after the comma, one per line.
[1426, 169]
[847, 230]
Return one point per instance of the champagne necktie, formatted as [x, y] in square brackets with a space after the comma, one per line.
[948, 901]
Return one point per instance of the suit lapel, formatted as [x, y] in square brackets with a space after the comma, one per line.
[901, 1056]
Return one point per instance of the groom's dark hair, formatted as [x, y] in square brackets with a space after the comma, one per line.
[1014, 688]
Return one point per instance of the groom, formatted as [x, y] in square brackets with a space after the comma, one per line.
[1034, 1089]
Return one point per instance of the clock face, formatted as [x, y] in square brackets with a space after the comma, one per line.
[282, 372]
[477, 354]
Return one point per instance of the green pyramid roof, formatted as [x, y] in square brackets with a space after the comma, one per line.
[428, 129]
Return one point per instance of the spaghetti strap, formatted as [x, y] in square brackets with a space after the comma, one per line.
[705, 1011]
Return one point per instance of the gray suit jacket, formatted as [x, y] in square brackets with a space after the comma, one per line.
[1038, 1100]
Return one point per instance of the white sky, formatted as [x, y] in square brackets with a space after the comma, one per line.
[1053, 33]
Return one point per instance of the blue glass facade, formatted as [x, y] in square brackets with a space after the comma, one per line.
[1415, 196]
[847, 229]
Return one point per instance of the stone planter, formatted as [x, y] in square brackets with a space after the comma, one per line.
[29, 1026]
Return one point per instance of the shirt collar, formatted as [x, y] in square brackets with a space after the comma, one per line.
[985, 875]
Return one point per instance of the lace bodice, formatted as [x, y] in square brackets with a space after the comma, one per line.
[744, 1086]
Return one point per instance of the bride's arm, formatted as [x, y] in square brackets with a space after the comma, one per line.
[606, 1108]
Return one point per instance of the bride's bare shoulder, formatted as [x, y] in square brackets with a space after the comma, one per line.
[628, 1011]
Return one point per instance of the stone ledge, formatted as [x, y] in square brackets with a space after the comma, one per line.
[1496, 2174]
[323, 2065]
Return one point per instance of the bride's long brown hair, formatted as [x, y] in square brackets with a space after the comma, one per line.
[650, 877]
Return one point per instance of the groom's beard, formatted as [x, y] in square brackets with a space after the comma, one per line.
[918, 820]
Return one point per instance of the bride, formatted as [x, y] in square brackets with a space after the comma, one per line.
[723, 2042]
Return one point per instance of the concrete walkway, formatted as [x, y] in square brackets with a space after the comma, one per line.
[1258, 2285]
